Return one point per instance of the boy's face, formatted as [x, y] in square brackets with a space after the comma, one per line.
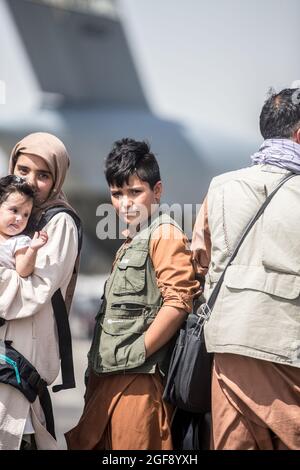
[134, 202]
[14, 214]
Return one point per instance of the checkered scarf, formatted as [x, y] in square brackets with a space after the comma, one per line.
[284, 153]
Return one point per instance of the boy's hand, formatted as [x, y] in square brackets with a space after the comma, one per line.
[39, 239]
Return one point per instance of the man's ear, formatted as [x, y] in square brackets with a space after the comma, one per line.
[297, 136]
[157, 189]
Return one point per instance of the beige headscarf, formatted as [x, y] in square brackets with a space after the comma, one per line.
[54, 153]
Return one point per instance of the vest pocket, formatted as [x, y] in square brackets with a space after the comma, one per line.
[128, 309]
[123, 326]
[286, 286]
[256, 314]
[130, 275]
[127, 319]
[281, 227]
[122, 337]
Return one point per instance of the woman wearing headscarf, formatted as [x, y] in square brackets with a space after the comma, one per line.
[27, 304]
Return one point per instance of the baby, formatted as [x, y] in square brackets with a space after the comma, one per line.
[17, 251]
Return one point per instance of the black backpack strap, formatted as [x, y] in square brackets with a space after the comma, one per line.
[46, 404]
[47, 216]
[42, 391]
[60, 311]
[64, 341]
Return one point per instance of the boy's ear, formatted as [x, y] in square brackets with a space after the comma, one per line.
[157, 189]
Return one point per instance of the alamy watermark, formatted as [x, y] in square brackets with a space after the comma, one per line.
[111, 226]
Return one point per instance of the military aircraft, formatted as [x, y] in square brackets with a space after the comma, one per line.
[72, 73]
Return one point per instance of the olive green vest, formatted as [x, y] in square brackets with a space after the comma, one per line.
[132, 300]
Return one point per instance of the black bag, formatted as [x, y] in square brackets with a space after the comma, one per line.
[191, 431]
[188, 383]
[15, 370]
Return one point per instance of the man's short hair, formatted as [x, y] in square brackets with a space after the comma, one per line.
[280, 115]
[131, 157]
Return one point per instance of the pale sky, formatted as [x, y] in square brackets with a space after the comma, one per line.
[200, 61]
[213, 61]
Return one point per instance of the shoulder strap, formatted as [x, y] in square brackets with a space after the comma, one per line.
[47, 216]
[60, 310]
[206, 309]
[64, 342]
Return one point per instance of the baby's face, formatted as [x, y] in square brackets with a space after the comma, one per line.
[14, 214]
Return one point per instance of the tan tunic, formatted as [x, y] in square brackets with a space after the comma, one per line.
[255, 403]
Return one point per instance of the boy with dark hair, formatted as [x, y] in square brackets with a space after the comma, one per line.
[146, 299]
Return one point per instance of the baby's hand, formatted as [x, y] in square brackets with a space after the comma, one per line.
[39, 239]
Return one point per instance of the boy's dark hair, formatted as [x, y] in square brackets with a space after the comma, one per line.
[14, 184]
[280, 115]
[129, 157]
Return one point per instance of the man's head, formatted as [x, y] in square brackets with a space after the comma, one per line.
[133, 176]
[280, 116]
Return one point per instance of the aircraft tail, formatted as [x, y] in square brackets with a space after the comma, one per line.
[81, 56]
